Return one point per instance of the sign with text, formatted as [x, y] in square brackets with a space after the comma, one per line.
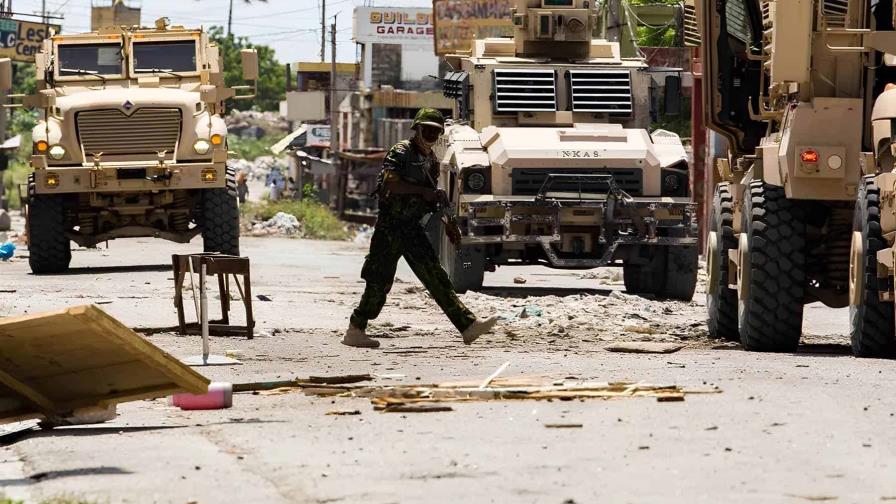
[385, 25]
[21, 40]
[458, 23]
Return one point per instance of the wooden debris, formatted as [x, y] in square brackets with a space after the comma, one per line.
[58, 363]
[343, 412]
[416, 408]
[296, 383]
[494, 375]
[385, 398]
[644, 347]
[563, 425]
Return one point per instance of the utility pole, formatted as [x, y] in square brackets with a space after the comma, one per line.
[323, 29]
[334, 124]
[229, 18]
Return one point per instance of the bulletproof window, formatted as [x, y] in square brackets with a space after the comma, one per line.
[80, 59]
[166, 56]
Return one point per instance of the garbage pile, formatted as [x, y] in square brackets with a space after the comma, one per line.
[260, 167]
[281, 223]
[253, 124]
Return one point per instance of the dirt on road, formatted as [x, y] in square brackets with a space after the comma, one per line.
[810, 426]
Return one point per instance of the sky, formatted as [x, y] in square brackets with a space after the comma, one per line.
[291, 27]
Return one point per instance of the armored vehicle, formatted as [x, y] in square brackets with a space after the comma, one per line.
[549, 160]
[798, 89]
[131, 141]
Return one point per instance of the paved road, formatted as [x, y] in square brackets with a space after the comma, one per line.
[816, 425]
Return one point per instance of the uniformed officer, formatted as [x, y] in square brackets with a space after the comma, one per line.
[407, 192]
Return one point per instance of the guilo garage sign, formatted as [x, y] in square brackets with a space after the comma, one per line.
[21, 40]
[393, 26]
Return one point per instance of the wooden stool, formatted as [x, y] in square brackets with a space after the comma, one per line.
[224, 266]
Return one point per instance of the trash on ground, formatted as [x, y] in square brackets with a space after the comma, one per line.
[219, 396]
[311, 381]
[60, 364]
[280, 223]
[7, 250]
[563, 425]
[343, 412]
[388, 398]
[644, 347]
[415, 408]
[262, 297]
[519, 280]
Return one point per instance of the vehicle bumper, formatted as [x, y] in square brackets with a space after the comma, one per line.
[642, 221]
[130, 177]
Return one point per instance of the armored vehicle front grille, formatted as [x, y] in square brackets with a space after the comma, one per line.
[525, 90]
[528, 181]
[691, 30]
[608, 91]
[146, 131]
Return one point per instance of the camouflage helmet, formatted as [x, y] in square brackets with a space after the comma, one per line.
[429, 117]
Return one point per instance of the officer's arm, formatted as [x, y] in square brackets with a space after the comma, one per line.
[391, 179]
[396, 185]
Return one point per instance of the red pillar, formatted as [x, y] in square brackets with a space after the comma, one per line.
[701, 184]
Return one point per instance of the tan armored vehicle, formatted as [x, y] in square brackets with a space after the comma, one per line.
[798, 90]
[131, 141]
[549, 160]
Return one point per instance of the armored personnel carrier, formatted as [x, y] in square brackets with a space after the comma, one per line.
[131, 141]
[549, 159]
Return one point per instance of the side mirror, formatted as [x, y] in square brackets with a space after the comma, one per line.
[250, 64]
[5, 75]
[672, 100]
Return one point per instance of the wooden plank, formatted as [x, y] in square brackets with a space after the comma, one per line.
[53, 363]
[33, 396]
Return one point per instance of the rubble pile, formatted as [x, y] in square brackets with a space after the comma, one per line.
[580, 316]
[281, 223]
[260, 167]
[252, 124]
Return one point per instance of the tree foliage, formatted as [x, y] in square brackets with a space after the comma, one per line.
[271, 74]
[657, 36]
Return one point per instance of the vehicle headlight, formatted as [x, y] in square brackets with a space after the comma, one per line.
[57, 152]
[675, 183]
[475, 181]
[201, 146]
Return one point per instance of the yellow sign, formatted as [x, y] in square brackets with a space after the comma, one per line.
[21, 40]
[458, 22]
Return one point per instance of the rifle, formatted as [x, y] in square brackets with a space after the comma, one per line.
[452, 228]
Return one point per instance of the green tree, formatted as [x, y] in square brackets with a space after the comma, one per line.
[271, 74]
[657, 36]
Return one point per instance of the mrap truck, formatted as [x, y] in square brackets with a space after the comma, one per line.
[549, 159]
[131, 141]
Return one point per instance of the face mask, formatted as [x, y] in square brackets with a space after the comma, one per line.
[430, 136]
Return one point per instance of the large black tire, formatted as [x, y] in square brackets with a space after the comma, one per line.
[721, 301]
[221, 218]
[49, 250]
[871, 320]
[644, 278]
[671, 273]
[772, 278]
[680, 273]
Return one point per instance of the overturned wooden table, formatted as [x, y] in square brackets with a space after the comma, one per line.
[224, 267]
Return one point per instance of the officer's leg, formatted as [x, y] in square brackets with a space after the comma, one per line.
[379, 272]
[422, 259]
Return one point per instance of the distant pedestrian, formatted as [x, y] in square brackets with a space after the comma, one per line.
[242, 186]
[408, 191]
[275, 183]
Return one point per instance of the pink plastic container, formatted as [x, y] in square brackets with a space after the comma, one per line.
[219, 396]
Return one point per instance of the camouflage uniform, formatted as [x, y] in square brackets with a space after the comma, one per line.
[398, 233]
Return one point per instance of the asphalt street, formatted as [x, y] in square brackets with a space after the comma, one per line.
[817, 425]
